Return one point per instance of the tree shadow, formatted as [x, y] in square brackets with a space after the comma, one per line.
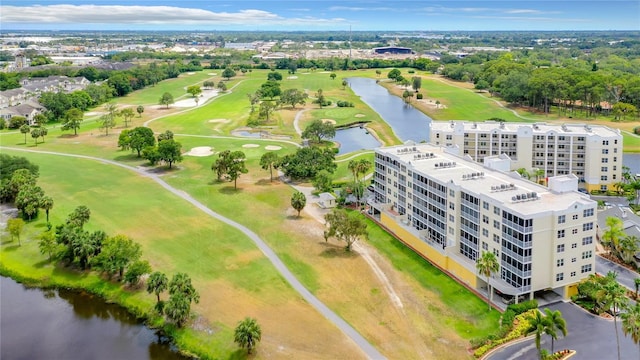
[13, 247]
[266, 182]
[336, 251]
[295, 217]
[228, 190]
[67, 136]
[42, 263]
[129, 158]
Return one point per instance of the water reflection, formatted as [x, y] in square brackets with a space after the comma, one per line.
[407, 122]
[354, 139]
[50, 324]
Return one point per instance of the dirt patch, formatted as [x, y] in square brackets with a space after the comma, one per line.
[291, 77]
[224, 121]
[360, 115]
[250, 145]
[272, 147]
[191, 73]
[212, 74]
[329, 121]
[200, 151]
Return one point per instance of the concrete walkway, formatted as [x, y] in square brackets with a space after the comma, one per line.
[370, 351]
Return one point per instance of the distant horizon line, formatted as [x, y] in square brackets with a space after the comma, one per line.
[316, 31]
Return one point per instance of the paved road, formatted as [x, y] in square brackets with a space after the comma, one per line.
[370, 351]
[591, 336]
[625, 277]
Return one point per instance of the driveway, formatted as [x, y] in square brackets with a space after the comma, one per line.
[591, 336]
[625, 277]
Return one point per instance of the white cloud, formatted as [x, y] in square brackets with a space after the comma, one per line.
[354, 8]
[117, 14]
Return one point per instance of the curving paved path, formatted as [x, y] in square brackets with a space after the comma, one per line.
[370, 351]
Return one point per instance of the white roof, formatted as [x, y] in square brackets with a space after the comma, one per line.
[472, 177]
[539, 128]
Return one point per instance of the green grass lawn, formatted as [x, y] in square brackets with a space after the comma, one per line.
[176, 87]
[121, 202]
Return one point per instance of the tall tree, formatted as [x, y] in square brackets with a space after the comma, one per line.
[416, 83]
[230, 164]
[136, 270]
[47, 243]
[194, 90]
[127, 114]
[556, 322]
[169, 151]
[612, 297]
[47, 204]
[488, 264]
[178, 309]
[140, 110]
[228, 73]
[29, 199]
[269, 161]
[106, 122]
[611, 236]
[157, 283]
[166, 99]
[35, 134]
[117, 253]
[247, 334]
[539, 325]
[181, 284]
[25, 129]
[320, 98]
[318, 130]
[347, 227]
[293, 97]
[298, 201]
[79, 216]
[72, 119]
[631, 323]
[14, 227]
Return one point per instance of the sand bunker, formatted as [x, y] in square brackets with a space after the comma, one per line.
[219, 121]
[250, 145]
[212, 74]
[329, 121]
[291, 77]
[191, 73]
[190, 102]
[272, 147]
[201, 151]
[360, 115]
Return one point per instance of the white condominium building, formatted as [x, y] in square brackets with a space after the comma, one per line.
[591, 152]
[450, 209]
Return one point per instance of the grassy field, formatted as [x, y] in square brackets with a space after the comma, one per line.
[176, 87]
[232, 275]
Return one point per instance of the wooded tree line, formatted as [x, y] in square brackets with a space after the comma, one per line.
[609, 85]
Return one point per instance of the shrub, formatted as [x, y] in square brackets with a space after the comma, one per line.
[523, 306]
[419, 96]
[411, 71]
[342, 103]
[636, 130]
[519, 330]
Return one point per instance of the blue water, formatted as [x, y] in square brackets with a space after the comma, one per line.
[406, 122]
[354, 139]
[632, 160]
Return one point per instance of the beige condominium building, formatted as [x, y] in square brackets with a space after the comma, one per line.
[450, 209]
[591, 152]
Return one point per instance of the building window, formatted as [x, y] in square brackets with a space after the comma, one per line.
[485, 205]
[573, 260]
[562, 219]
[451, 231]
[587, 240]
[452, 193]
[587, 254]
[451, 218]
[573, 273]
[587, 212]
[485, 232]
[561, 234]
[585, 268]
[574, 231]
[452, 206]
[496, 210]
[496, 224]
[603, 187]
[485, 219]
[604, 169]
[605, 151]
[559, 262]
[560, 248]
[485, 246]
[605, 160]
[575, 217]
[559, 276]
[587, 226]
[496, 238]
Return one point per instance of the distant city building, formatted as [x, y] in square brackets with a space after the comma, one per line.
[393, 50]
[450, 210]
[592, 152]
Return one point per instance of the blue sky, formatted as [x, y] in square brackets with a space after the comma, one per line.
[423, 15]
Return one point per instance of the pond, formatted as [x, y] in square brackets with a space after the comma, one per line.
[354, 139]
[407, 122]
[632, 160]
[61, 324]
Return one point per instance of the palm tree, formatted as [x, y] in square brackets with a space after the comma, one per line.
[612, 297]
[524, 173]
[47, 204]
[613, 233]
[636, 282]
[627, 248]
[631, 323]
[635, 186]
[620, 188]
[556, 322]
[247, 333]
[538, 173]
[539, 325]
[488, 264]
[157, 283]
